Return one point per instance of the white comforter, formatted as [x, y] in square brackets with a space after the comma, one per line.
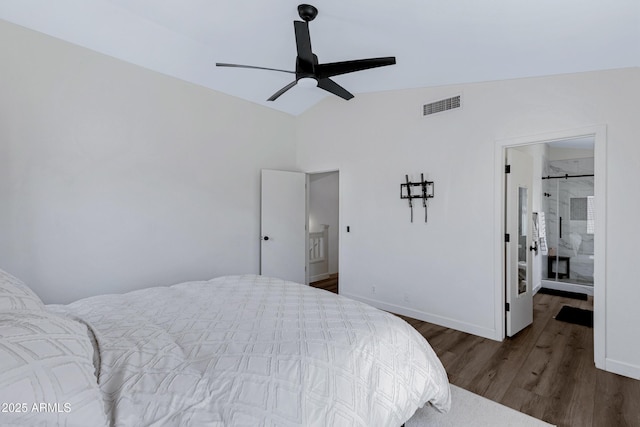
[255, 351]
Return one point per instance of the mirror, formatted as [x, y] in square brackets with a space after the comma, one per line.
[523, 250]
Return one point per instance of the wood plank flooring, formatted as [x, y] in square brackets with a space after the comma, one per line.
[546, 371]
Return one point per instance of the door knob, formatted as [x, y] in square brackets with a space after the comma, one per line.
[265, 238]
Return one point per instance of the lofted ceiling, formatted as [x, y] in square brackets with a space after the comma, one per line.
[435, 42]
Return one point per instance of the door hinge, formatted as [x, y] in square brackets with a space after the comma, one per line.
[507, 168]
[507, 307]
[507, 238]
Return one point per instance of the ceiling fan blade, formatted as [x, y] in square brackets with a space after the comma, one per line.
[333, 87]
[222, 64]
[303, 42]
[336, 68]
[281, 91]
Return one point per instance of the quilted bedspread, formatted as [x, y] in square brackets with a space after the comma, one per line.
[257, 351]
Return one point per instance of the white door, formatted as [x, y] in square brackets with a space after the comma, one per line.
[283, 225]
[518, 259]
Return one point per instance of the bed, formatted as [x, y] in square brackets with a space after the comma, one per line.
[233, 351]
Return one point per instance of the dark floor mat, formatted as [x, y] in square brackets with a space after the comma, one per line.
[566, 294]
[575, 315]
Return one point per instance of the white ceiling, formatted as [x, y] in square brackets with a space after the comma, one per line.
[435, 42]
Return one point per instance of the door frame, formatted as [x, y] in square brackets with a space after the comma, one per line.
[599, 132]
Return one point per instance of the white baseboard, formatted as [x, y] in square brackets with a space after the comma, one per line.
[469, 328]
[622, 368]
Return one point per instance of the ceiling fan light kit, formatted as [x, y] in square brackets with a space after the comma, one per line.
[309, 73]
[307, 82]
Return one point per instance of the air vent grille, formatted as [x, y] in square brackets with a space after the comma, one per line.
[442, 105]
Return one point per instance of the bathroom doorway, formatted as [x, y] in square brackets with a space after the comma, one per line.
[598, 140]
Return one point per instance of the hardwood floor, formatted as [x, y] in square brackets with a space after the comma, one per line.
[546, 371]
[330, 284]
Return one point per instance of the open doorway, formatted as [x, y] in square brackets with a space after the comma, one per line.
[563, 204]
[323, 226]
[558, 257]
[577, 148]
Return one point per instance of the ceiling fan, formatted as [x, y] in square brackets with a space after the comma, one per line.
[308, 72]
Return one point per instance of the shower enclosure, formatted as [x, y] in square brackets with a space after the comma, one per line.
[568, 203]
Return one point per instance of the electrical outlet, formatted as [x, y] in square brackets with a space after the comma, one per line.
[406, 297]
[373, 289]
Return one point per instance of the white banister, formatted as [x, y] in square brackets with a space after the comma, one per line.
[319, 245]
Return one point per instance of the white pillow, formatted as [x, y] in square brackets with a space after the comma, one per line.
[15, 295]
[47, 376]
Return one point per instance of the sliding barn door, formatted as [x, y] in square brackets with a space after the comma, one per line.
[283, 248]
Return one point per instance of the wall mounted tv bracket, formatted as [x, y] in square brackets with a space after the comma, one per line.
[417, 190]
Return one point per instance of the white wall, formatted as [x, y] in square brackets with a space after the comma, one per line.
[324, 209]
[444, 271]
[113, 177]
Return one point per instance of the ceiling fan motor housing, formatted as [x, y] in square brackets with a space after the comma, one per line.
[307, 12]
